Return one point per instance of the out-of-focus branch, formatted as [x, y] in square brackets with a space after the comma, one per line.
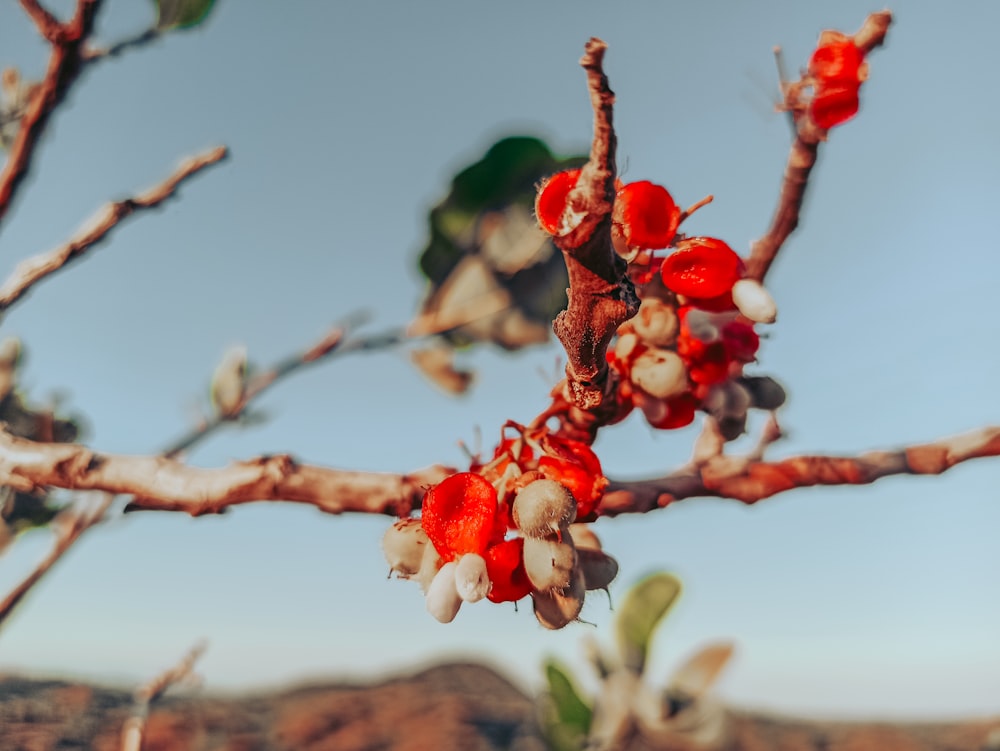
[65, 62]
[600, 295]
[748, 480]
[163, 484]
[68, 530]
[146, 695]
[32, 270]
[801, 159]
[93, 54]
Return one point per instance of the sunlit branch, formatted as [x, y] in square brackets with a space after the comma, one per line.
[747, 479]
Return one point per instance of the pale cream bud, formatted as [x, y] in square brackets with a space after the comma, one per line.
[442, 597]
[660, 373]
[471, 579]
[656, 323]
[404, 544]
[755, 302]
[555, 609]
[548, 563]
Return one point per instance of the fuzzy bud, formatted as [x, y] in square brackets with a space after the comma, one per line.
[549, 564]
[556, 609]
[404, 544]
[660, 373]
[754, 301]
[471, 580]
[542, 507]
[765, 392]
[656, 323]
[442, 597]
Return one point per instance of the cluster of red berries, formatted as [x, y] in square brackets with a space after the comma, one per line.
[505, 530]
[686, 348]
[837, 69]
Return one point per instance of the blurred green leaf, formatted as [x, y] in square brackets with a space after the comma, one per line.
[566, 716]
[644, 607]
[484, 242]
[181, 14]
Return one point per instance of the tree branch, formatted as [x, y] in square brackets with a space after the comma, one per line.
[801, 159]
[163, 484]
[601, 297]
[749, 480]
[65, 64]
[32, 270]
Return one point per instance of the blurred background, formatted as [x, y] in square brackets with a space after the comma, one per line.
[347, 122]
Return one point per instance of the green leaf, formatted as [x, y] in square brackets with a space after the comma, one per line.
[644, 607]
[565, 716]
[181, 14]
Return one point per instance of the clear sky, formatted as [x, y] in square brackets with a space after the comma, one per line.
[346, 121]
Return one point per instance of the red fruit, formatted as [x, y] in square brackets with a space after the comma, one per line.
[551, 200]
[741, 341]
[647, 215]
[680, 412]
[837, 60]
[702, 267]
[505, 567]
[834, 105]
[712, 365]
[459, 515]
[576, 466]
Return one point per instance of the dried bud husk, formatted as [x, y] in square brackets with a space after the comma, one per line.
[656, 323]
[471, 580]
[549, 564]
[556, 609]
[404, 544]
[442, 597]
[729, 399]
[660, 373]
[765, 392]
[599, 568]
[542, 507]
[583, 537]
[754, 301]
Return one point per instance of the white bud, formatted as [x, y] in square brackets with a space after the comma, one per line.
[555, 609]
[660, 373]
[429, 565]
[625, 344]
[442, 597]
[542, 507]
[656, 322]
[755, 302]
[404, 544]
[471, 579]
[229, 382]
[548, 563]
[599, 568]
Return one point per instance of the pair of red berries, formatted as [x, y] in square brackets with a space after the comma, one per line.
[645, 217]
[838, 69]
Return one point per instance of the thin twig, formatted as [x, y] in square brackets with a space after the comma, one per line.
[145, 696]
[66, 536]
[65, 64]
[32, 270]
[801, 160]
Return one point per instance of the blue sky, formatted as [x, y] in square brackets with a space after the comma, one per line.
[346, 121]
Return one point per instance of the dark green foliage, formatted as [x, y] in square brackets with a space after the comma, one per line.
[181, 14]
[565, 716]
[644, 607]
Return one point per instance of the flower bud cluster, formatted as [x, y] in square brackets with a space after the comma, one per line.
[505, 531]
[686, 348]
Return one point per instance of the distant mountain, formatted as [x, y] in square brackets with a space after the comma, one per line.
[460, 706]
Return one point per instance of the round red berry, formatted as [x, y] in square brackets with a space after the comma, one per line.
[550, 204]
[647, 215]
[702, 267]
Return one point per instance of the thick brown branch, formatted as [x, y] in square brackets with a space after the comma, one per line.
[750, 481]
[601, 297]
[65, 64]
[801, 159]
[163, 484]
[32, 270]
